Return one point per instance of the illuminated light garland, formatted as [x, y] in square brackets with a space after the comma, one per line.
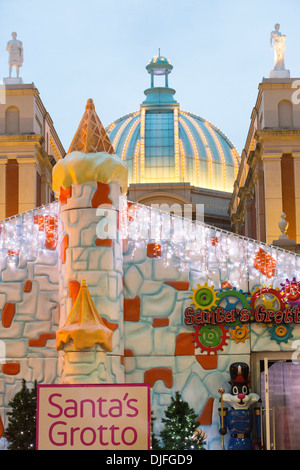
[182, 158]
[236, 161]
[207, 149]
[142, 146]
[132, 129]
[233, 258]
[24, 236]
[122, 127]
[136, 161]
[194, 148]
[240, 261]
[176, 145]
[218, 144]
[110, 127]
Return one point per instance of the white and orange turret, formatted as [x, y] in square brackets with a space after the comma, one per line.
[89, 182]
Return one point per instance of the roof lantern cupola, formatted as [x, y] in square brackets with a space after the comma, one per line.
[159, 65]
[159, 95]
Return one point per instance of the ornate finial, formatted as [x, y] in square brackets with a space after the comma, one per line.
[283, 226]
[90, 136]
[90, 104]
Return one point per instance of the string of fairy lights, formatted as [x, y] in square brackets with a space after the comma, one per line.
[212, 254]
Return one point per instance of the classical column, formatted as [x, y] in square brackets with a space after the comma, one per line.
[260, 202]
[273, 194]
[296, 157]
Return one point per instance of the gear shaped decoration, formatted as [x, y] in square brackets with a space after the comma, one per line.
[210, 338]
[270, 298]
[281, 333]
[240, 333]
[230, 299]
[291, 292]
[204, 297]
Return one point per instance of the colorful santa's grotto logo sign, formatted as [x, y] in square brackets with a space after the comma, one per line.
[93, 417]
[217, 315]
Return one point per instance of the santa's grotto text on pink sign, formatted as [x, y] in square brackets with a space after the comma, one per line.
[93, 417]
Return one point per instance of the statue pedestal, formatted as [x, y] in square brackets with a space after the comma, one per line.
[13, 81]
[280, 74]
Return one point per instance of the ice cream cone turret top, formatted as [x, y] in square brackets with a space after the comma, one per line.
[91, 157]
[91, 136]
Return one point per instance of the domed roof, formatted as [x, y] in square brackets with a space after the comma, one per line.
[163, 144]
[159, 59]
[159, 65]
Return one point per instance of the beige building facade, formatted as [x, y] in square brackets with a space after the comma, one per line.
[29, 148]
[267, 182]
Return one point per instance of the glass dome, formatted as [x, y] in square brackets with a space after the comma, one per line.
[163, 144]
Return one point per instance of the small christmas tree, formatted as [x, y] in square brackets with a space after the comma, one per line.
[180, 424]
[21, 430]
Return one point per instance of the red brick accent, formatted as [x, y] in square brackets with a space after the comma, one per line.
[13, 252]
[178, 285]
[51, 235]
[48, 224]
[8, 314]
[160, 322]
[28, 286]
[185, 345]
[101, 195]
[128, 353]
[40, 221]
[132, 309]
[205, 418]
[63, 248]
[111, 326]
[74, 287]
[208, 361]
[65, 194]
[214, 241]
[104, 242]
[153, 250]
[11, 368]
[41, 341]
[159, 373]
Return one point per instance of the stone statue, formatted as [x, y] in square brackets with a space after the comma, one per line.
[277, 40]
[15, 51]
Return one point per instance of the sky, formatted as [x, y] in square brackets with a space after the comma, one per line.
[220, 50]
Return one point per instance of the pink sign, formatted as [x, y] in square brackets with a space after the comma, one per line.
[93, 417]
